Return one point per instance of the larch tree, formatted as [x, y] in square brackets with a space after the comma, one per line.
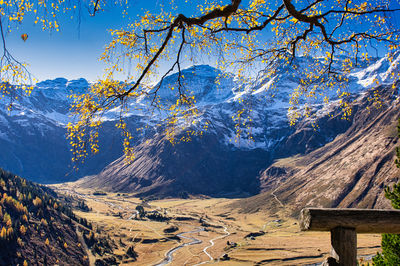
[253, 37]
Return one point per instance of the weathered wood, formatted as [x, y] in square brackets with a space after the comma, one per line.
[362, 220]
[344, 245]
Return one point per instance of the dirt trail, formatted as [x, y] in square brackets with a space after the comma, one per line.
[92, 259]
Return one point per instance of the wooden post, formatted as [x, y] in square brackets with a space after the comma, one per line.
[344, 224]
[363, 220]
[344, 245]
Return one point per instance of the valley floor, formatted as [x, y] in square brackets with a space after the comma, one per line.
[210, 232]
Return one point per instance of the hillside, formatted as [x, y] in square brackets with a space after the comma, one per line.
[205, 165]
[37, 124]
[351, 171]
[211, 165]
[201, 166]
[35, 227]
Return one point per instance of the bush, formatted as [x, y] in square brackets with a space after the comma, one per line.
[391, 242]
[390, 251]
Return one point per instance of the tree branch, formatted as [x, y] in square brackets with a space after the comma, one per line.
[178, 22]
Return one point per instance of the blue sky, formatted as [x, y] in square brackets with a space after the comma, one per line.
[72, 52]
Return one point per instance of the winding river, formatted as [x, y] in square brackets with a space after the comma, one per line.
[212, 244]
[195, 241]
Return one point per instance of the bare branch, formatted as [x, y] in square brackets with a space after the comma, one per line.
[178, 22]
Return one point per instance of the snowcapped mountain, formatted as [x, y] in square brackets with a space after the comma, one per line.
[222, 164]
[207, 84]
[32, 135]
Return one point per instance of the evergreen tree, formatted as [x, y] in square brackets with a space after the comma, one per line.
[141, 211]
[391, 242]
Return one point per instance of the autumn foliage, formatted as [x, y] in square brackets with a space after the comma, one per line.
[28, 222]
[253, 38]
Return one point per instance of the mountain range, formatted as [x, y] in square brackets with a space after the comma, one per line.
[219, 162]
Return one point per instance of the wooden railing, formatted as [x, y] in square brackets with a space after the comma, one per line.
[344, 224]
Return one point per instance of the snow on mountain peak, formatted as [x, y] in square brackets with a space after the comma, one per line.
[219, 95]
[78, 84]
[384, 71]
[48, 101]
[62, 83]
[202, 70]
[59, 89]
[207, 84]
[52, 83]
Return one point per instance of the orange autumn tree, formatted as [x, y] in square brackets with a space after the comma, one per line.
[239, 36]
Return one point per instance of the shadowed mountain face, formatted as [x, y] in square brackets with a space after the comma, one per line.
[33, 135]
[345, 162]
[360, 155]
[350, 171]
[218, 164]
[201, 166]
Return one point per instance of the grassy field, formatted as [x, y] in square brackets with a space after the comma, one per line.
[280, 243]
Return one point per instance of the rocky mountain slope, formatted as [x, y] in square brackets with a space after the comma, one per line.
[351, 171]
[201, 166]
[220, 163]
[33, 135]
[213, 165]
